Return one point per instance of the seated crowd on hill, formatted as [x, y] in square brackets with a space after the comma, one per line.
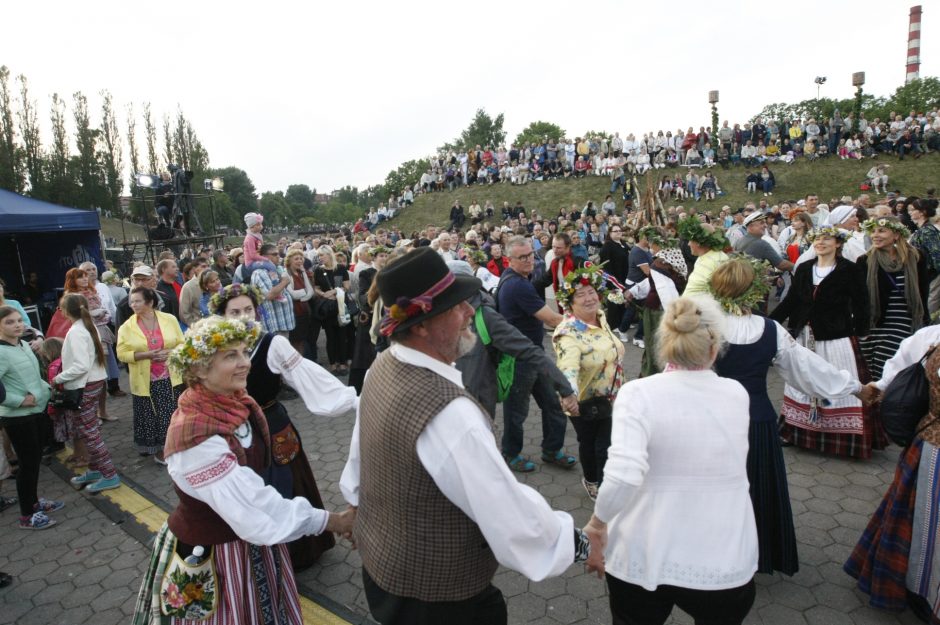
[764, 141]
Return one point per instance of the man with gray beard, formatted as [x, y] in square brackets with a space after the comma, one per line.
[438, 509]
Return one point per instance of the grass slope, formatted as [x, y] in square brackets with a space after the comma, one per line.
[112, 228]
[831, 178]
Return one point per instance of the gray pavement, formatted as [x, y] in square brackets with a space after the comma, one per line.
[87, 569]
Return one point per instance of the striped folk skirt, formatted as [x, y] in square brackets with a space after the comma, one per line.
[255, 585]
[883, 340]
[842, 427]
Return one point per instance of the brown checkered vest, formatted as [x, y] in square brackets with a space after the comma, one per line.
[413, 541]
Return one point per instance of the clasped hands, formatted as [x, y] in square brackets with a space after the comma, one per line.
[869, 394]
[596, 531]
[341, 523]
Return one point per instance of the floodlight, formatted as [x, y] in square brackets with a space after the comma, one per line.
[147, 181]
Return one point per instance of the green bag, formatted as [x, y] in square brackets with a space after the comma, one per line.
[505, 368]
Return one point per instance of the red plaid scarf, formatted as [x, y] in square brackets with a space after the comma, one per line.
[201, 414]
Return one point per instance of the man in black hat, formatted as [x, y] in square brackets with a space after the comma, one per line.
[438, 509]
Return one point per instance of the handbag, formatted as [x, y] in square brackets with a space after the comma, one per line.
[906, 401]
[188, 591]
[324, 308]
[67, 399]
[595, 409]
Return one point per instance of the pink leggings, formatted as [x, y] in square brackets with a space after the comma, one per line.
[85, 425]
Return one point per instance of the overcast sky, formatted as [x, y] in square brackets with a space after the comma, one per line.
[337, 93]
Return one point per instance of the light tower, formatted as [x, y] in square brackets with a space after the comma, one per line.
[913, 46]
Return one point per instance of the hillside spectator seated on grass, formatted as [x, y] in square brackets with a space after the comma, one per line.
[709, 186]
[751, 180]
[581, 167]
[749, 154]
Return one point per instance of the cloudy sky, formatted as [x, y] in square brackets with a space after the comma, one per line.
[336, 93]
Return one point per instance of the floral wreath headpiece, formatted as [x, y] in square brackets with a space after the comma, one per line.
[379, 249]
[655, 236]
[478, 256]
[827, 231]
[218, 301]
[405, 308]
[588, 274]
[208, 336]
[756, 292]
[691, 229]
[869, 226]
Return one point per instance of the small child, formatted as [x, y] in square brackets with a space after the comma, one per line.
[843, 150]
[62, 430]
[752, 180]
[252, 244]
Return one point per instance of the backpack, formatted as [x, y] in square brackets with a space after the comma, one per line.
[505, 366]
[906, 401]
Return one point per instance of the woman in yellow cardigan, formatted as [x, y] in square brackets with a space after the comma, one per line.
[144, 342]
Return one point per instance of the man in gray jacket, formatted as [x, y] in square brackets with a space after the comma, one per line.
[479, 368]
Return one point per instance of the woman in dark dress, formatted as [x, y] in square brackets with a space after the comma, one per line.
[273, 360]
[615, 256]
[364, 349]
[328, 277]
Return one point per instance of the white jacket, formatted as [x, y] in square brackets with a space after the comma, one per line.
[79, 367]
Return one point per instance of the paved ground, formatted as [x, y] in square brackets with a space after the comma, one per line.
[88, 568]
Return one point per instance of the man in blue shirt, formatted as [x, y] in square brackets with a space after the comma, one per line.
[524, 307]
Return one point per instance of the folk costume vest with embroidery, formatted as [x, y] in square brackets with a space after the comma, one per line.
[193, 522]
[413, 541]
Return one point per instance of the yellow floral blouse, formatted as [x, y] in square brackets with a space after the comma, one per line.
[589, 356]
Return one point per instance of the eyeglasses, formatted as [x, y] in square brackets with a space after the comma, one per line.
[525, 257]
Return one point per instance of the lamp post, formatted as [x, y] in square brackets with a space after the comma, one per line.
[713, 100]
[858, 79]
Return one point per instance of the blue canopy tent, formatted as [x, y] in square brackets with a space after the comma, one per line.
[46, 238]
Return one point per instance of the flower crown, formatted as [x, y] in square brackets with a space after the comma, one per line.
[379, 249]
[587, 275]
[827, 231]
[869, 226]
[691, 229]
[218, 301]
[208, 336]
[756, 292]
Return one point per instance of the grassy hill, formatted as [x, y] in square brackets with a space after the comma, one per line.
[831, 178]
[112, 228]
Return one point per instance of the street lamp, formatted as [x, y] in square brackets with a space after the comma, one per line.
[820, 81]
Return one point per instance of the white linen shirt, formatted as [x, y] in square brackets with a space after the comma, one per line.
[458, 450]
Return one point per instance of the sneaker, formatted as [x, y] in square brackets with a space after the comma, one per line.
[88, 477]
[623, 336]
[158, 458]
[591, 488]
[48, 505]
[38, 521]
[104, 484]
[520, 464]
[559, 459]
[639, 343]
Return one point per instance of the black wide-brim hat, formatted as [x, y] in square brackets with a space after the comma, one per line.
[413, 275]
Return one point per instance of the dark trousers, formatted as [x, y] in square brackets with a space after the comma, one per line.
[629, 314]
[527, 382]
[336, 342]
[27, 443]
[593, 442]
[485, 608]
[633, 605]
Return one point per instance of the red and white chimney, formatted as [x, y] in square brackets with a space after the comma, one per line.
[913, 46]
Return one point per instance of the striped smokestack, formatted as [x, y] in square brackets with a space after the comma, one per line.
[913, 46]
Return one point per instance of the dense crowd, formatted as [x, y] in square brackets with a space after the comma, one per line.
[427, 332]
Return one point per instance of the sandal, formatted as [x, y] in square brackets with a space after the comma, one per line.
[559, 459]
[520, 464]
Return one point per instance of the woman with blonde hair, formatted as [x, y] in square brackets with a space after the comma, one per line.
[674, 503]
[754, 344]
[331, 282]
[898, 285]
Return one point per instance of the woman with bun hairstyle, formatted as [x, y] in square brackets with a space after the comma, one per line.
[674, 502]
[83, 368]
[754, 344]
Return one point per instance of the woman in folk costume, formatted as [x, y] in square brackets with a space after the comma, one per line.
[707, 245]
[273, 360]
[665, 282]
[754, 344]
[896, 274]
[896, 561]
[220, 556]
[827, 306]
[363, 352]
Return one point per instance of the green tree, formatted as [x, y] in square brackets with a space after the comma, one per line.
[150, 134]
[276, 209]
[138, 207]
[483, 131]
[11, 155]
[85, 165]
[238, 189]
[537, 131]
[407, 175]
[111, 154]
[168, 154]
[302, 195]
[918, 95]
[28, 118]
[60, 188]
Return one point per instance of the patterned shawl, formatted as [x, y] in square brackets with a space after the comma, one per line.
[201, 414]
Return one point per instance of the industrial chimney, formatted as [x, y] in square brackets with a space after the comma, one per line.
[913, 46]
